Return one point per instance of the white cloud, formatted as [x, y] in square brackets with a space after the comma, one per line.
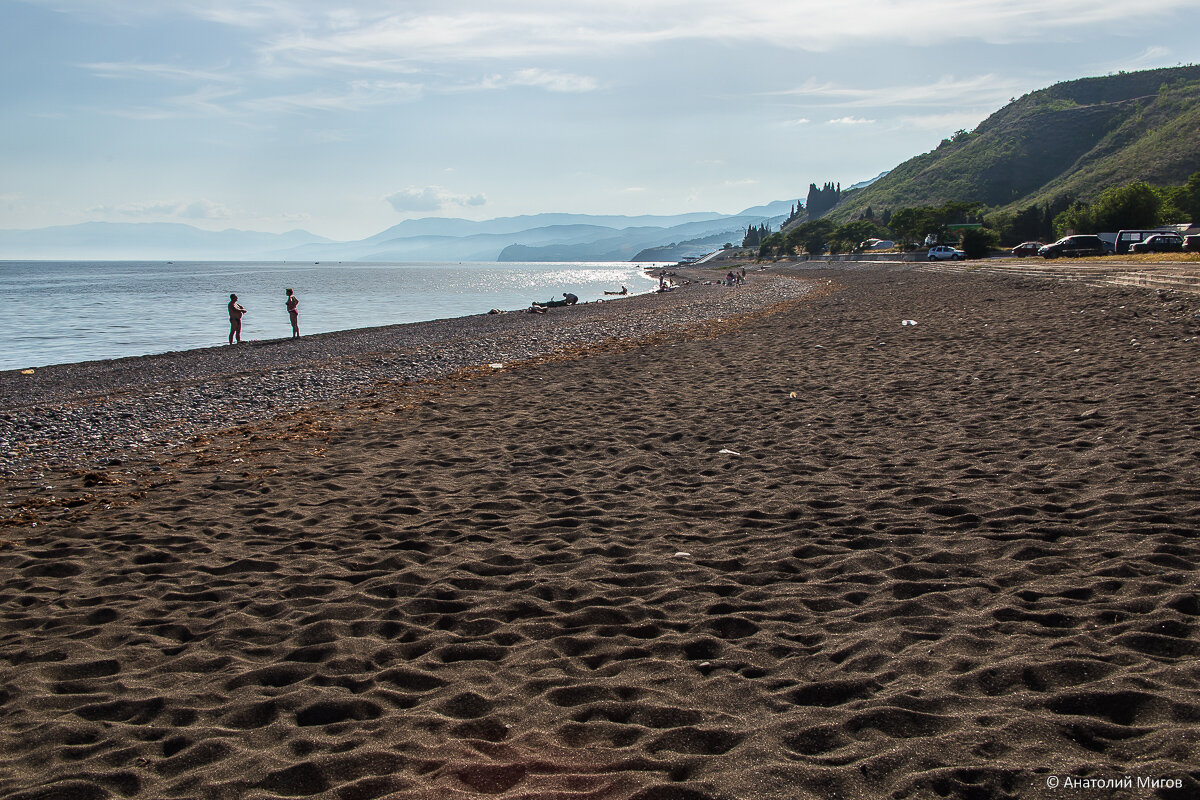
[204, 209]
[553, 81]
[431, 198]
[550, 80]
[979, 90]
[354, 96]
[1153, 55]
[117, 69]
[178, 209]
[374, 35]
[942, 123]
[364, 44]
[851, 121]
[367, 32]
[10, 202]
[207, 101]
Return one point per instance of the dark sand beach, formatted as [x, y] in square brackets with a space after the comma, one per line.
[814, 553]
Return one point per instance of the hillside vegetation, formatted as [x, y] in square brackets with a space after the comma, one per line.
[1070, 141]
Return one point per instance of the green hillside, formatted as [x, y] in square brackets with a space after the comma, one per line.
[1072, 140]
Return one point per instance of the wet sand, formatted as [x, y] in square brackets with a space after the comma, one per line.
[812, 554]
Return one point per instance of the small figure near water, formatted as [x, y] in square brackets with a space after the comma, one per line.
[235, 319]
[293, 309]
[570, 298]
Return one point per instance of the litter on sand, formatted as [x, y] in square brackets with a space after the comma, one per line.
[26, 372]
[496, 366]
[908, 322]
[728, 452]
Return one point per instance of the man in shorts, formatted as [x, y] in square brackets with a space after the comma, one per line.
[235, 319]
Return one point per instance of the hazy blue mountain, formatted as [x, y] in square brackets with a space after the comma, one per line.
[452, 226]
[559, 237]
[868, 182]
[631, 243]
[778, 208]
[542, 237]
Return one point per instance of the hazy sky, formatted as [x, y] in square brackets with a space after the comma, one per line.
[346, 117]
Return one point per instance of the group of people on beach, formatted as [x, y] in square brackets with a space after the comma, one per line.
[237, 311]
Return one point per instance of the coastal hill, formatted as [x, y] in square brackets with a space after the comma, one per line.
[1072, 140]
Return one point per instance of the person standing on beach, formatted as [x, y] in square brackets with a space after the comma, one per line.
[235, 319]
[293, 309]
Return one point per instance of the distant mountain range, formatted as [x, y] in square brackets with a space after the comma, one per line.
[539, 237]
[1070, 141]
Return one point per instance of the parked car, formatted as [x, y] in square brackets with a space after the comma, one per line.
[1128, 238]
[1159, 243]
[1027, 249]
[944, 252]
[1072, 246]
[1192, 243]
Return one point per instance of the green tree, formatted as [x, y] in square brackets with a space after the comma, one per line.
[978, 242]
[1137, 205]
[811, 236]
[1133, 206]
[1079, 218]
[912, 225]
[1027, 225]
[771, 245]
[1190, 203]
[848, 238]
[1181, 203]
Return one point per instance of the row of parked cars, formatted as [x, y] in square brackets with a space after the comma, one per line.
[1127, 242]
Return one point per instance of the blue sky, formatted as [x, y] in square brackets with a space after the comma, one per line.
[345, 118]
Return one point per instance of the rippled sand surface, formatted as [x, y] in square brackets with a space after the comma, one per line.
[813, 554]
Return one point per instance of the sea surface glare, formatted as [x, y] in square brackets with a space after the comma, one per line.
[57, 312]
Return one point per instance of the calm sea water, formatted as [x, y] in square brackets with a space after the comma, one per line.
[55, 312]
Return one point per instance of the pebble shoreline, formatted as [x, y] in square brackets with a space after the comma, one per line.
[80, 416]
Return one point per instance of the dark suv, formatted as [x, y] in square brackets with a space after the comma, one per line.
[1159, 243]
[1079, 245]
